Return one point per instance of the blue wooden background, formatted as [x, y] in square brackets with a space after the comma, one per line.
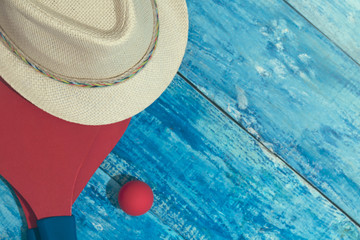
[257, 137]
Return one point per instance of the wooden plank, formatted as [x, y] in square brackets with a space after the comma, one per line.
[286, 83]
[11, 219]
[97, 215]
[213, 181]
[339, 20]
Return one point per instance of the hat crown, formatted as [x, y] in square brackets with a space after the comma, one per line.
[84, 40]
[102, 15]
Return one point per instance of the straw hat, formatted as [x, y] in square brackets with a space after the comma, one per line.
[91, 62]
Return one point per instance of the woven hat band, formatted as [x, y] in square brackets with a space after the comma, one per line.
[68, 43]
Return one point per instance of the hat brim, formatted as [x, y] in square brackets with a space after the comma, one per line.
[106, 105]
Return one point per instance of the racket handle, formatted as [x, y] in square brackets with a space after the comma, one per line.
[57, 228]
[33, 234]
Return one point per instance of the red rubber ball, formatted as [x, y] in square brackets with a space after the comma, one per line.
[136, 198]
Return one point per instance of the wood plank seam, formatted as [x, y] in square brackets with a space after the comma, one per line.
[269, 150]
[327, 37]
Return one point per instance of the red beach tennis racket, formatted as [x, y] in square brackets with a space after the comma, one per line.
[105, 142]
[43, 156]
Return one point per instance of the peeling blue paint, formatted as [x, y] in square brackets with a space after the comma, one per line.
[302, 91]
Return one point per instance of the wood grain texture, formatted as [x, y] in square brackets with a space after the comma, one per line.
[211, 180]
[339, 20]
[11, 218]
[97, 215]
[286, 83]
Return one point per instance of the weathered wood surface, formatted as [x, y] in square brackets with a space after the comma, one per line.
[339, 20]
[213, 181]
[286, 83]
[281, 79]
